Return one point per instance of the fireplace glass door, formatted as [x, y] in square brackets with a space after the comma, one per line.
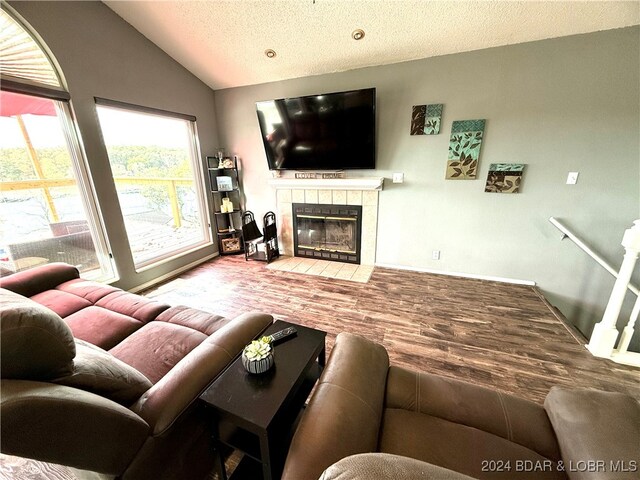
[335, 234]
[330, 232]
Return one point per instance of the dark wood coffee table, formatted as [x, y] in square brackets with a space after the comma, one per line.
[256, 413]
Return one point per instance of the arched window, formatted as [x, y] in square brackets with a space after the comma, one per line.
[21, 57]
[47, 207]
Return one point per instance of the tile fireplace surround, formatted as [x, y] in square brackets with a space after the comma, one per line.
[339, 191]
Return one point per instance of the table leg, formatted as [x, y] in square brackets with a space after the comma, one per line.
[322, 357]
[220, 468]
[265, 455]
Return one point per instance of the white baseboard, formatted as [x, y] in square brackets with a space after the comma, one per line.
[173, 273]
[457, 274]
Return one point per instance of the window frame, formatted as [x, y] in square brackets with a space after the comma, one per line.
[82, 178]
[84, 181]
[198, 177]
[25, 87]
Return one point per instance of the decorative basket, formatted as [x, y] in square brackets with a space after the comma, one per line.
[257, 357]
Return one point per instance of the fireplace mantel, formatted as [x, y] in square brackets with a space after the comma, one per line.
[362, 183]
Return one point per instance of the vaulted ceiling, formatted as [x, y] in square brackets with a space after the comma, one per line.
[224, 42]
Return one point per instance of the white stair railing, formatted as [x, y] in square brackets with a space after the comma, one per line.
[605, 333]
[625, 338]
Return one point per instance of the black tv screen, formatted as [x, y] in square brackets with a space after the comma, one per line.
[333, 131]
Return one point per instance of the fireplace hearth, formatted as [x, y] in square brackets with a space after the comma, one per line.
[327, 232]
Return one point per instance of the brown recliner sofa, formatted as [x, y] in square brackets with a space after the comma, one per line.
[104, 380]
[427, 426]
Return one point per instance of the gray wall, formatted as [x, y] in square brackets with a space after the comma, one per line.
[569, 104]
[101, 55]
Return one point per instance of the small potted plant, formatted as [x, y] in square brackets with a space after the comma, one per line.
[257, 357]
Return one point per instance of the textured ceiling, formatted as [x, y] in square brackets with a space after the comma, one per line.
[223, 42]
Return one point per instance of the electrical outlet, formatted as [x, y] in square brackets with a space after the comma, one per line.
[435, 255]
[572, 178]
[398, 178]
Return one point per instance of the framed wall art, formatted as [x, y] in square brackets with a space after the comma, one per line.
[504, 178]
[425, 119]
[464, 149]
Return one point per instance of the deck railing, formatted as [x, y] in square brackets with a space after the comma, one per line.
[45, 185]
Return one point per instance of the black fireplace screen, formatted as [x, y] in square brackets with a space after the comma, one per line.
[330, 232]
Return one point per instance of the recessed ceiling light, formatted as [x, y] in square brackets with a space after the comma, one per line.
[270, 53]
[357, 34]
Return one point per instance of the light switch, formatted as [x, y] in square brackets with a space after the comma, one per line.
[572, 178]
[398, 178]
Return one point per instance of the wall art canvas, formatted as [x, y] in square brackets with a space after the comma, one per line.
[425, 119]
[504, 177]
[464, 149]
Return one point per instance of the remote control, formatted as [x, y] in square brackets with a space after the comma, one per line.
[287, 332]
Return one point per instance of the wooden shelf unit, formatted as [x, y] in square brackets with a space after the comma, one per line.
[228, 225]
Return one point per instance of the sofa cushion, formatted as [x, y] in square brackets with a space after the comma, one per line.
[461, 448]
[598, 426]
[101, 327]
[63, 303]
[200, 320]
[91, 291]
[157, 347]
[132, 305]
[515, 419]
[383, 466]
[96, 371]
[35, 343]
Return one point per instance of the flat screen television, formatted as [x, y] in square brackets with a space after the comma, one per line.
[333, 131]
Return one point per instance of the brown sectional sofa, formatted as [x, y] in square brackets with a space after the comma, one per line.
[385, 422]
[105, 380]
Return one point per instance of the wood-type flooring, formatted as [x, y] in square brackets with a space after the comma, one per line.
[498, 335]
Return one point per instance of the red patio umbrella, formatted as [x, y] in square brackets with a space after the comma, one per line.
[13, 104]
[16, 105]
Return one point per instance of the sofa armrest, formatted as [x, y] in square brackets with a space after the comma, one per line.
[59, 424]
[596, 426]
[162, 404]
[344, 414]
[38, 279]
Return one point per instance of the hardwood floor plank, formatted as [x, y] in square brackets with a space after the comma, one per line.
[499, 335]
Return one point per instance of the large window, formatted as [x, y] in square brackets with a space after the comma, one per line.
[154, 161]
[44, 215]
[47, 208]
